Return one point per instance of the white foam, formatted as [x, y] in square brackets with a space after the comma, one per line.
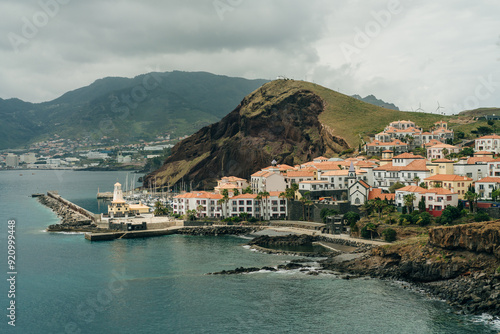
[487, 319]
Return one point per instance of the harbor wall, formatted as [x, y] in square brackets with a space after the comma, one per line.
[95, 218]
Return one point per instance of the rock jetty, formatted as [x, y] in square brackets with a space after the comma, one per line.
[219, 230]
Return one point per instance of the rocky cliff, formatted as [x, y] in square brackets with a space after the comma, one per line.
[278, 122]
[477, 237]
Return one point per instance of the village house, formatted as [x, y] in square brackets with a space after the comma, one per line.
[231, 183]
[436, 200]
[440, 151]
[454, 183]
[405, 168]
[203, 202]
[473, 167]
[490, 143]
[485, 186]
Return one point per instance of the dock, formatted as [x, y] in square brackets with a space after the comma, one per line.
[105, 195]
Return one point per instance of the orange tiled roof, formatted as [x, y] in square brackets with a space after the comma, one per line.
[408, 156]
[412, 189]
[343, 172]
[417, 165]
[443, 160]
[483, 152]
[474, 160]
[244, 196]
[490, 179]
[377, 193]
[232, 178]
[448, 177]
[441, 145]
[489, 137]
[199, 194]
[299, 173]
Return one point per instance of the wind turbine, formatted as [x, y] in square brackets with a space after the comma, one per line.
[439, 107]
[419, 107]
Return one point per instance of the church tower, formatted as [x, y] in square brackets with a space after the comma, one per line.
[351, 176]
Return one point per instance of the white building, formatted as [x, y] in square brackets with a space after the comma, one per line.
[436, 200]
[267, 181]
[438, 151]
[485, 186]
[490, 143]
[204, 203]
[404, 168]
[12, 160]
[28, 158]
[474, 167]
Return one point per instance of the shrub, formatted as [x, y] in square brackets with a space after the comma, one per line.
[405, 219]
[481, 216]
[391, 221]
[236, 219]
[424, 219]
[351, 218]
[252, 219]
[369, 231]
[389, 234]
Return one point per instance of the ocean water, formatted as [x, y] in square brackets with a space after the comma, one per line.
[66, 284]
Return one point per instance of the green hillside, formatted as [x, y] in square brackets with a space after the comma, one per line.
[128, 109]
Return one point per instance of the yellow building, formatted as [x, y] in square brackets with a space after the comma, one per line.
[455, 183]
[441, 166]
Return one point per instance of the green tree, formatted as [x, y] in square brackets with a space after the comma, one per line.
[408, 201]
[236, 192]
[395, 186]
[466, 152]
[421, 204]
[368, 230]
[199, 208]
[481, 216]
[495, 194]
[389, 234]
[472, 198]
[160, 209]
[248, 190]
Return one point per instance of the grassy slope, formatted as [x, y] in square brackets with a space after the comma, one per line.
[351, 118]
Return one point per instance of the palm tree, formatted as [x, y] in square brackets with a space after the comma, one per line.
[408, 201]
[225, 197]
[236, 192]
[472, 198]
[259, 198]
[221, 203]
[416, 179]
[303, 200]
[199, 208]
[265, 195]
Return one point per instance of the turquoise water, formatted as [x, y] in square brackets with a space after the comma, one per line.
[159, 285]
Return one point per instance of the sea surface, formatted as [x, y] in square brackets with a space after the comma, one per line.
[66, 284]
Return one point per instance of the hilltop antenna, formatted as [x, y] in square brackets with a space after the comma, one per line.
[419, 107]
[439, 107]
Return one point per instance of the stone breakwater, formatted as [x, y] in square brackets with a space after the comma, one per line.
[71, 220]
[219, 230]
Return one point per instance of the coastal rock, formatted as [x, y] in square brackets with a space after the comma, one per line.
[475, 237]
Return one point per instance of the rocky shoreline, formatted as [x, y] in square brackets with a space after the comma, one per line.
[219, 230]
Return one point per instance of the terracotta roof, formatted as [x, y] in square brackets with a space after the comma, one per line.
[489, 137]
[490, 179]
[483, 152]
[396, 142]
[275, 193]
[364, 184]
[377, 193]
[299, 173]
[343, 172]
[441, 145]
[448, 177]
[417, 165]
[320, 158]
[199, 194]
[314, 181]
[432, 142]
[439, 191]
[328, 165]
[475, 160]
[443, 160]
[232, 178]
[408, 156]
[244, 196]
[387, 151]
[412, 189]
[228, 186]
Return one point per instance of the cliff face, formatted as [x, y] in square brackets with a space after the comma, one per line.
[477, 237]
[273, 122]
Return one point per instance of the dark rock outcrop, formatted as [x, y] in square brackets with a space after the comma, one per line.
[218, 230]
[476, 237]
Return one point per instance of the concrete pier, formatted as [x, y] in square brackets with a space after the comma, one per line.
[129, 235]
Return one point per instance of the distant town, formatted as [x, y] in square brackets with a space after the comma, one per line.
[106, 153]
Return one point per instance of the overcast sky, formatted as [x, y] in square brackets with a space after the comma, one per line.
[406, 52]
